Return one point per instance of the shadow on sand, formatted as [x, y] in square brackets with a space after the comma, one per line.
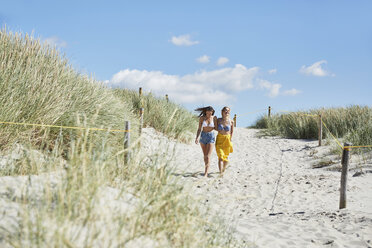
[194, 174]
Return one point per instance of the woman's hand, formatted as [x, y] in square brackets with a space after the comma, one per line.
[196, 141]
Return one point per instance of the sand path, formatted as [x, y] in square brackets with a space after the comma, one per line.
[271, 196]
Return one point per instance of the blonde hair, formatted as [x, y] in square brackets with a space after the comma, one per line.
[225, 108]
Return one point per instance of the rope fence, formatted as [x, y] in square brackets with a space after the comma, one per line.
[345, 150]
[63, 127]
[253, 112]
[309, 115]
[141, 124]
[127, 154]
[334, 137]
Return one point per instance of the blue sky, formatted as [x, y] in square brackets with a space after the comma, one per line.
[291, 55]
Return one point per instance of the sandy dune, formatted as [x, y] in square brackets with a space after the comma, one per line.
[271, 195]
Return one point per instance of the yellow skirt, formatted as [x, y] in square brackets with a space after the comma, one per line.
[223, 146]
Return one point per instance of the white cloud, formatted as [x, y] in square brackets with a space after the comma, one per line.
[272, 71]
[222, 60]
[291, 92]
[216, 86]
[316, 69]
[183, 40]
[203, 59]
[272, 88]
[54, 41]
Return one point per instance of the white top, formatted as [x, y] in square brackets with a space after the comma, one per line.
[208, 125]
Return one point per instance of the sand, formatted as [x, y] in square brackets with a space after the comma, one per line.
[270, 194]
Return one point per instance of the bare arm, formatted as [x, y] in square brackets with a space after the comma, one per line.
[215, 123]
[199, 130]
[232, 129]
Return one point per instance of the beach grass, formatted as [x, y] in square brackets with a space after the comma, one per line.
[347, 124]
[165, 116]
[38, 86]
[84, 203]
[76, 185]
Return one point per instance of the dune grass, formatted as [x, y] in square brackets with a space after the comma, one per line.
[80, 181]
[37, 85]
[166, 117]
[352, 124]
[83, 207]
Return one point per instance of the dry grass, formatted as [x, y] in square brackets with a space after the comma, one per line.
[71, 188]
[38, 86]
[352, 124]
[87, 205]
[166, 117]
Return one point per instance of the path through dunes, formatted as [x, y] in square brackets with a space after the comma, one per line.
[273, 197]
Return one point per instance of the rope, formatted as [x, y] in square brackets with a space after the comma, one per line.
[283, 111]
[253, 112]
[301, 114]
[286, 111]
[66, 127]
[338, 142]
[346, 147]
[311, 115]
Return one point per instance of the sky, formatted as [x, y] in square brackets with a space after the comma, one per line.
[290, 55]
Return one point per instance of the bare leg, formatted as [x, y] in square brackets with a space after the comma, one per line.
[224, 166]
[220, 161]
[206, 162]
[207, 157]
[206, 150]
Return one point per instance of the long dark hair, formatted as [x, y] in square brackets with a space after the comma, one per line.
[203, 111]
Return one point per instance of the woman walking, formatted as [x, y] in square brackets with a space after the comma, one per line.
[207, 136]
[225, 128]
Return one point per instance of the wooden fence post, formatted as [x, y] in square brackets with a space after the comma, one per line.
[269, 112]
[140, 91]
[127, 142]
[235, 120]
[320, 130]
[166, 97]
[345, 165]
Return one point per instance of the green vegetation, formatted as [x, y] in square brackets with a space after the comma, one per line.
[74, 172]
[352, 124]
[85, 204]
[38, 86]
[166, 117]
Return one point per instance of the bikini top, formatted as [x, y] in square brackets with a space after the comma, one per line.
[208, 125]
[221, 127]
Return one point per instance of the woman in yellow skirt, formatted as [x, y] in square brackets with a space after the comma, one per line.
[225, 128]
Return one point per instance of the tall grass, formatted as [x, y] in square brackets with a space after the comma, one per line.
[37, 85]
[164, 116]
[353, 124]
[79, 200]
[86, 205]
